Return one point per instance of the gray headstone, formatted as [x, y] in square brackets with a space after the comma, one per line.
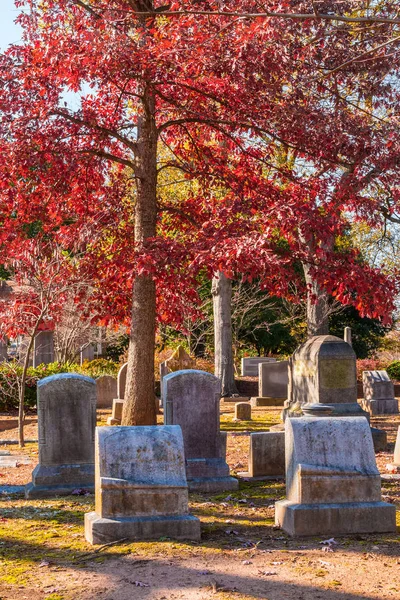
[250, 365]
[323, 371]
[191, 400]
[267, 454]
[121, 381]
[87, 353]
[43, 348]
[273, 379]
[141, 487]
[66, 423]
[242, 411]
[378, 392]
[333, 485]
[106, 388]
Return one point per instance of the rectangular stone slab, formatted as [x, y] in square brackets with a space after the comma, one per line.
[335, 519]
[267, 454]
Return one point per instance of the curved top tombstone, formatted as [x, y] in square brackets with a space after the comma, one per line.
[192, 401]
[66, 419]
[323, 370]
[121, 381]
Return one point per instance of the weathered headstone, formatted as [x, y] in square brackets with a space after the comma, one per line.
[250, 365]
[118, 402]
[267, 454]
[378, 394]
[87, 353]
[323, 371]
[141, 487]
[178, 361]
[333, 486]
[191, 400]
[43, 348]
[106, 388]
[242, 411]
[66, 422]
[273, 379]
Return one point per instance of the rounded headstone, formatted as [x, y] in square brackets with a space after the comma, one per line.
[242, 411]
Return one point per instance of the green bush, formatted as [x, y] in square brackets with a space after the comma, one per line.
[11, 373]
[394, 370]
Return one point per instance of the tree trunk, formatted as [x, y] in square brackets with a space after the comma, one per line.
[222, 294]
[317, 306]
[139, 405]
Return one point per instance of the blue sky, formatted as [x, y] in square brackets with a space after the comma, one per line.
[9, 32]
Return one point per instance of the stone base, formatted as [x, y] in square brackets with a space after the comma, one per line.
[99, 530]
[335, 519]
[247, 476]
[235, 399]
[112, 421]
[266, 401]
[383, 406]
[59, 480]
[213, 484]
[345, 409]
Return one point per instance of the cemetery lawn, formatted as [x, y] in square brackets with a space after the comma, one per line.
[44, 555]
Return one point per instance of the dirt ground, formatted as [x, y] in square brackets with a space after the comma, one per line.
[43, 553]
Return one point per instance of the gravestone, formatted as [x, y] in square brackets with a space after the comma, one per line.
[333, 486]
[191, 400]
[323, 371]
[267, 454]
[394, 467]
[118, 402]
[178, 361]
[242, 411]
[141, 487]
[3, 350]
[86, 353]
[250, 365]
[43, 348]
[66, 422]
[273, 379]
[106, 389]
[378, 392]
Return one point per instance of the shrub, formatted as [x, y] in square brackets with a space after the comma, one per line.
[394, 370]
[98, 367]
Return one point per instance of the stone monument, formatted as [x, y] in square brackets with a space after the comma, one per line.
[191, 400]
[118, 403]
[242, 411]
[333, 486]
[394, 467]
[266, 454]
[86, 353]
[106, 389]
[273, 381]
[66, 422]
[3, 349]
[250, 365]
[141, 487]
[43, 348]
[378, 394]
[323, 371]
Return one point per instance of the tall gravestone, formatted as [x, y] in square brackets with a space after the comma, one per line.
[43, 348]
[106, 389]
[323, 371]
[273, 379]
[378, 392]
[191, 400]
[66, 422]
[87, 353]
[141, 487]
[118, 402]
[333, 486]
[178, 361]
